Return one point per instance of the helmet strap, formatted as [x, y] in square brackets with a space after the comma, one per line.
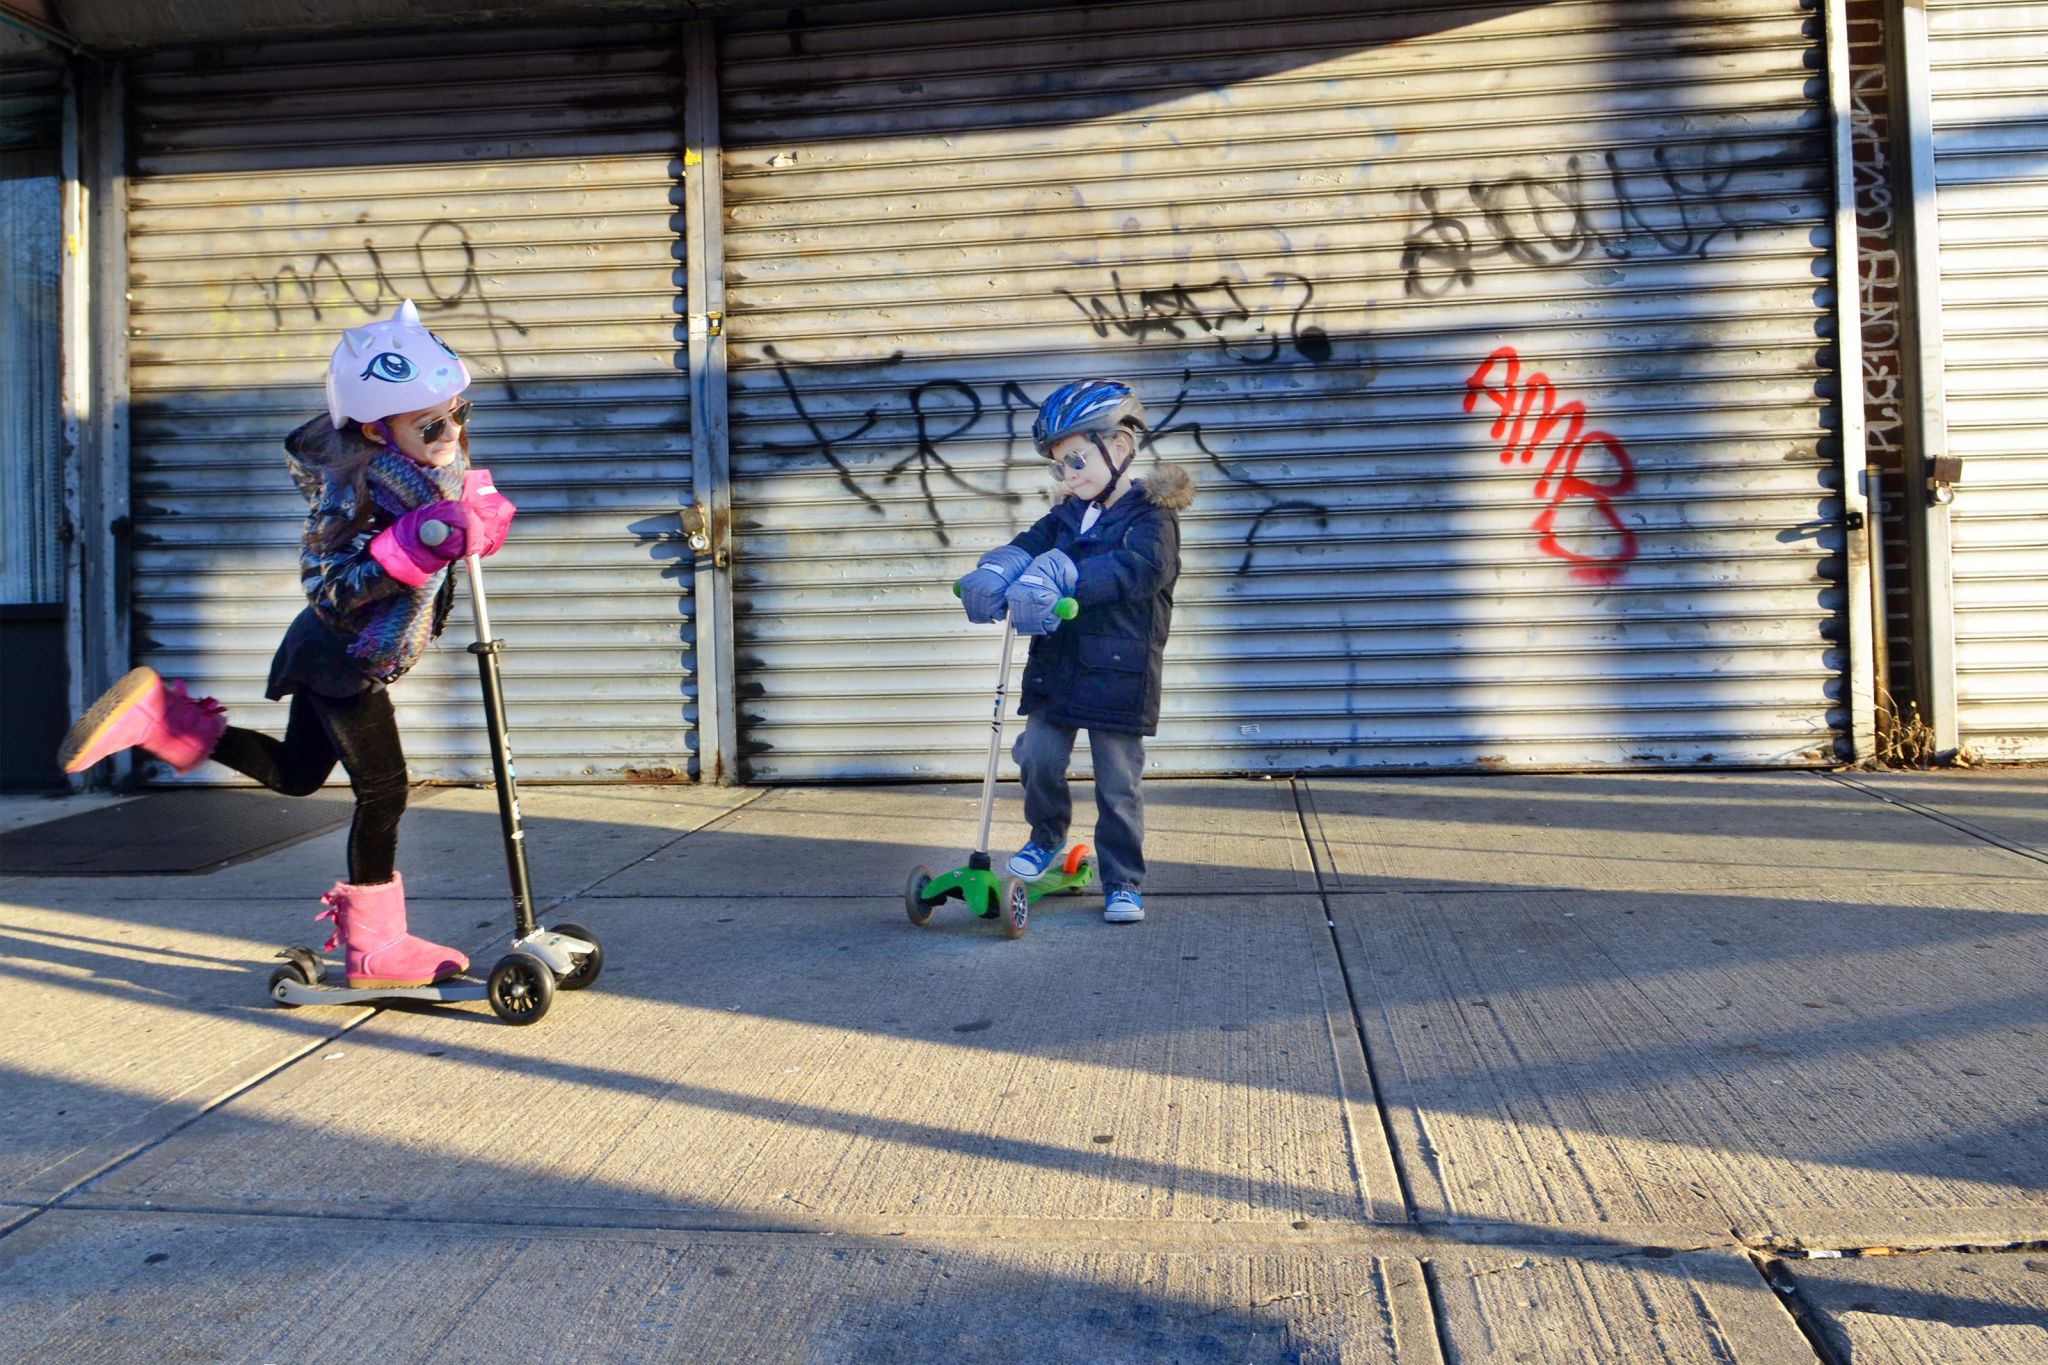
[1116, 471]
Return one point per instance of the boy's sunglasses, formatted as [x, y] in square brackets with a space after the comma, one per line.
[1061, 464]
[459, 415]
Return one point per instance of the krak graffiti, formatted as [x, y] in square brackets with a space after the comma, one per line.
[1546, 221]
[1277, 508]
[1255, 333]
[447, 283]
[1530, 419]
[940, 410]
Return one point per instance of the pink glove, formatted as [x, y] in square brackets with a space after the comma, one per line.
[490, 512]
[416, 546]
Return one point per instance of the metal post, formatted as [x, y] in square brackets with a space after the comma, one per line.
[1924, 387]
[75, 342]
[711, 457]
[1859, 518]
[487, 651]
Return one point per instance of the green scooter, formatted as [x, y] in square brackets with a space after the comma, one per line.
[987, 893]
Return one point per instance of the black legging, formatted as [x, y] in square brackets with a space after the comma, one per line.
[362, 733]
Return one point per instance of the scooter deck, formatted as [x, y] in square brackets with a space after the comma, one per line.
[981, 889]
[458, 988]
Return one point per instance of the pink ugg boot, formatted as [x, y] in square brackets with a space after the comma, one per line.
[141, 710]
[369, 924]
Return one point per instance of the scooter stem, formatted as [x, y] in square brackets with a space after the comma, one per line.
[995, 746]
[487, 651]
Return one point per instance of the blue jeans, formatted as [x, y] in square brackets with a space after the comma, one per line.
[1042, 753]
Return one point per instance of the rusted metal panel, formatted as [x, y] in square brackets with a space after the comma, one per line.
[1988, 82]
[1341, 250]
[523, 197]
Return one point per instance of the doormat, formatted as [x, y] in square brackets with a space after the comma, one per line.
[175, 833]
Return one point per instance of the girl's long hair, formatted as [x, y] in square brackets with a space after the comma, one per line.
[322, 456]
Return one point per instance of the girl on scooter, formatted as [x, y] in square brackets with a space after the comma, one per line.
[392, 503]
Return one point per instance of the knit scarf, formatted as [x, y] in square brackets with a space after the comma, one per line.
[395, 632]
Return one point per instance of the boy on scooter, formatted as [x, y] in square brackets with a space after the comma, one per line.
[1113, 544]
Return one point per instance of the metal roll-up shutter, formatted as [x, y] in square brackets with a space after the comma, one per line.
[1989, 87]
[31, 353]
[1341, 250]
[31, 98]
[520, 188]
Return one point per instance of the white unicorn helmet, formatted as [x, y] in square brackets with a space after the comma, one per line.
[394, 365]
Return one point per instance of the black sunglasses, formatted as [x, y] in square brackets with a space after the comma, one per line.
[459, 415]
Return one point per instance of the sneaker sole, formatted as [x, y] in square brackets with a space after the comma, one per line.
[101, 716]
[1123, 916]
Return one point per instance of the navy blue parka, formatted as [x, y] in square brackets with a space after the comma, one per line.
[1101, 670]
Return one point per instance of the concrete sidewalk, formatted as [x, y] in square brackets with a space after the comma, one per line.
[1573, 1068]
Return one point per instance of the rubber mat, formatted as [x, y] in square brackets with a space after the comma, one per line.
[171, 833]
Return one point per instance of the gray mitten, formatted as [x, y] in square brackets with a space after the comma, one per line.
[981, 592]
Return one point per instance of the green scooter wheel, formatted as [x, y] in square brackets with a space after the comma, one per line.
[1014, 905]
[914, 904]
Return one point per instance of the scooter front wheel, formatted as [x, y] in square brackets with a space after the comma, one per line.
[587, 965]
[914, 904]
[521, 987]
[1015, 901]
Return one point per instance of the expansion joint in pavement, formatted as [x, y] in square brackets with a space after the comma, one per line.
[1940, 818]
[1303, 803]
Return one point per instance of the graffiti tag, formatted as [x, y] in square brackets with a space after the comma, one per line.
[1529, 416]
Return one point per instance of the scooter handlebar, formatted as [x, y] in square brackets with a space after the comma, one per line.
[1066, 608]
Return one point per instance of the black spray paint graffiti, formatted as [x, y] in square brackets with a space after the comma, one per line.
[1536, 221]
[942, 411]
[1217, 309]
[929, 404]
[1277, 508]
[371, 290]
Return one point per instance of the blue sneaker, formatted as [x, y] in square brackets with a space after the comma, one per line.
[1123, 907]
[1031, 862]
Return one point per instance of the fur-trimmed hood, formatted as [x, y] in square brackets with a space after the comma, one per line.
[1166, 485]
[1170, 486]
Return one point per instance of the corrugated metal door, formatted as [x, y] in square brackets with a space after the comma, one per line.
[31, 361]
[520, 187]
[1989, 87]
[1497, 339]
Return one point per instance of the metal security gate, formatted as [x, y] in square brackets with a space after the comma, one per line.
[1989, 88]
[1497, 340]
[521, 191]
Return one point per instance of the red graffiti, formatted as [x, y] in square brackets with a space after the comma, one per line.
[1530, 416]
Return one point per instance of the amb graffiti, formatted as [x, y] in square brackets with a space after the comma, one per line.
[1529, 416]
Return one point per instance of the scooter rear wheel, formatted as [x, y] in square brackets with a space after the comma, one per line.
[1074, 858]
[521, 987]
[914, 904]
[290, 972]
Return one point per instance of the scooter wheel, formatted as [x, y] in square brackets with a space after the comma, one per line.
[1016, 907]
[914, 904]
[293, 973]
[521, 988]
[587, 965]
[1075, 855]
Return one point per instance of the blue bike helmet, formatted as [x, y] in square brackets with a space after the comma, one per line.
[1097, 406]
[1094, 408]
